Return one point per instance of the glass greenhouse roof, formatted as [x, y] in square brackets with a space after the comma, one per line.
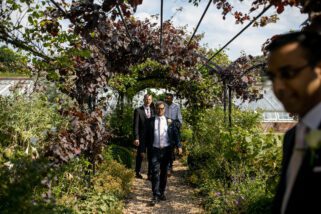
[272, 108]
[6, 85]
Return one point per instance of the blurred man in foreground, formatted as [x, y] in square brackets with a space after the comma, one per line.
[294, 67]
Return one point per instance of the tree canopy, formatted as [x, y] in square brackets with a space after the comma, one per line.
[12, 62]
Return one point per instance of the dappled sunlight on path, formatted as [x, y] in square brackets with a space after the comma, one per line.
[180, 197]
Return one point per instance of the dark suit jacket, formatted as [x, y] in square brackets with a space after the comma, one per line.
[139, 127]
[305, 196]
[173, 133]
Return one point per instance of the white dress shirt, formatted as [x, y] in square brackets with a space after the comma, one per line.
[147, 111]
[160, 132]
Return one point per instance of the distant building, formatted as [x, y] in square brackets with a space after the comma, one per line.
[25, 85]
[274, 115]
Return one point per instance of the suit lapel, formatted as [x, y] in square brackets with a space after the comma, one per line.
[152, 130]
[287, 153]
[143, 112]
[303, 179]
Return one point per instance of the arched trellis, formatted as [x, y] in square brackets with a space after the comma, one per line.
[194, 91]
[231, 78]
[132, 42]
[130, 27]
[198, 94]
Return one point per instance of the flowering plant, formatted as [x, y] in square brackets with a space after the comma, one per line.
[313, 140]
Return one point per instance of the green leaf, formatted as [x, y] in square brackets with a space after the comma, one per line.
[30, 19]
[248, 139]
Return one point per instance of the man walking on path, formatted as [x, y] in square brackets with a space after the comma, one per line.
[174, 115]
[141, 117]
[162, 140]
[294, 67]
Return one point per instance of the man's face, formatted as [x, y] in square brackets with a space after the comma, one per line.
[148, 100]
[169, 100]
[160, 110]
[296, 83]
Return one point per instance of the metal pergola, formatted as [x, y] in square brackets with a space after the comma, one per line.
[209, 64]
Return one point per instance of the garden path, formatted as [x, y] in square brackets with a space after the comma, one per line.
[181, 198]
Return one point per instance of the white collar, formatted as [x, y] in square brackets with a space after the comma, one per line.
[313, 117]
[161, 117]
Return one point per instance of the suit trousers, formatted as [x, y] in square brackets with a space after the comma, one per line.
[139, 161]
[160, 159]
[173, 157]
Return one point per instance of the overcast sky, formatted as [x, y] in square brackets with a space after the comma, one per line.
[218, 31]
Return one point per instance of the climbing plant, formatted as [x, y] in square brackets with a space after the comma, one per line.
[226, 6]
[81, 58]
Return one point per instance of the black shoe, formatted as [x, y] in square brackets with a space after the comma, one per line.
[154, 201]
[139, 176]
[162, 197]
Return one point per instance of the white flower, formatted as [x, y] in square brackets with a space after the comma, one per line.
[313, 139]
[8, 164]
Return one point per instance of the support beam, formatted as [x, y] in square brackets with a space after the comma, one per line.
[199, 22]
[123, 20]
[59, 8]
[238, 34]
[161, 25]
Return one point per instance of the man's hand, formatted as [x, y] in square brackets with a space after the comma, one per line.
[180, 151]
[136, 142]
[142, 155]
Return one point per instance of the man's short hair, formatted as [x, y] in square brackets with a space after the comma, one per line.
[309, 40]
[158, 103]
[147, 95]
[169, 94]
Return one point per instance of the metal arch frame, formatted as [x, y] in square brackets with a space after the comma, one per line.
[161, 25]
[58, 6]
[123, 20]
[199, 22]
[239, 33]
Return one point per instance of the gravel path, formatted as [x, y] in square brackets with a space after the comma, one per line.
[180, 197]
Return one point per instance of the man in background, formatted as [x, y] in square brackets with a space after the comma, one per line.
[141, 117]
[162, 140]
[174, 115]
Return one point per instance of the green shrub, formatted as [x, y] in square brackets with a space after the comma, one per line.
[120, 121]
[99, 203]
[119, 173]
[29, 183]
[236, 168]
[21, 186]
[121, 154]
[103, 193]
[186, 134]
[25, 121]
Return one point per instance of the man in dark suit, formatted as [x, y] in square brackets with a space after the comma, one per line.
[141, 116]
[163, 137]
[294, 66]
